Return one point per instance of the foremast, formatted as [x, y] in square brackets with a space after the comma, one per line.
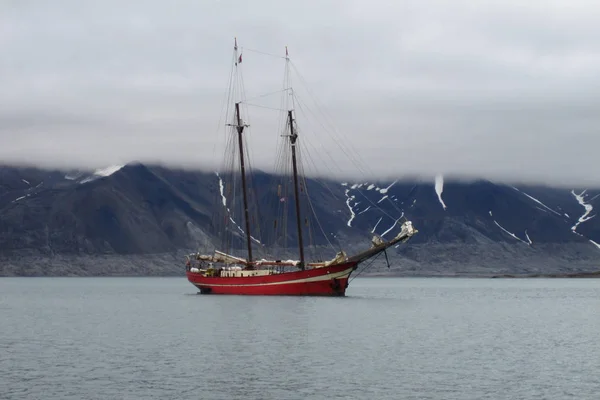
[240, 129]
[293, 139]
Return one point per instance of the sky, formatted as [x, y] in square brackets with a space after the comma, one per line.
[505, 90]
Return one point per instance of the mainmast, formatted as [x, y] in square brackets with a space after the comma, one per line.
[293, 139]
[240, 129]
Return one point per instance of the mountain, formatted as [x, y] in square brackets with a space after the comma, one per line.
[142, 219]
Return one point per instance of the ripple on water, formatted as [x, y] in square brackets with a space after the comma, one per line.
[151, 338]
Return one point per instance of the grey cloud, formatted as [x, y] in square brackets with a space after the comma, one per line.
[503, 89]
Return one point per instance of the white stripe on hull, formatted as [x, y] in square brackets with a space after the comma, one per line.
[342, 274]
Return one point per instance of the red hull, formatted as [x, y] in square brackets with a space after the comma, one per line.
[325, 281]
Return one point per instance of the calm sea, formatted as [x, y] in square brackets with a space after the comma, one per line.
[154, 338]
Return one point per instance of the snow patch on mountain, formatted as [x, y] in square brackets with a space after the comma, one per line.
[348, 200]
[365, 210]
[528, 239]
[224, 200]
[108, 170]
[392, 227]
[588, 209]
[99, 173]
[384, 191]
[439, 188]
[72, 176]
[537, 201]
[222, 190]
[375, 227]
[510, 233]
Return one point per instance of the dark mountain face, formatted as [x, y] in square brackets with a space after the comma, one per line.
[144, 210]
[468, 212]
[135, 210]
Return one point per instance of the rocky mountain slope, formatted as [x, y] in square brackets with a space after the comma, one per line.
[140, 219]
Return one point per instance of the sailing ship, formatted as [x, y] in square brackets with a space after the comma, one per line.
[222, 272]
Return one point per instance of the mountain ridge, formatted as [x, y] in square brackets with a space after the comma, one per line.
[107, 219]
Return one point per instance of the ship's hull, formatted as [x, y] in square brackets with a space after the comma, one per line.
[324, 281]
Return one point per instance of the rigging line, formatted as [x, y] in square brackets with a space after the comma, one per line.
[267, 94]
[314, 98]
[301, 108]
[305, 144]
[314, 212]
[287, 59]
[350, 157]
[324, 114]
[283, 102]
[381, 209]
[375, 205]
[254, 234]
[360, 192]
[315, 250]
[261, 52]
[286, 168]
[226, 101]
[338, 141]
[405, 199]
[328, 119]
[365, 267]
[397, 209]
[240, 91]
[224, 218]
[326, 187]
[313, 209]
[322, 184]
[259, 106]
[248, 154]
[394, 205]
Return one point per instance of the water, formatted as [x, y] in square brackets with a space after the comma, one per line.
[154, 338]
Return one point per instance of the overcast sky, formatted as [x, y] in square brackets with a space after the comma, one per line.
[499, 89]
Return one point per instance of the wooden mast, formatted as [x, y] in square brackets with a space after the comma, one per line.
[240, 128]
[293, 138]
